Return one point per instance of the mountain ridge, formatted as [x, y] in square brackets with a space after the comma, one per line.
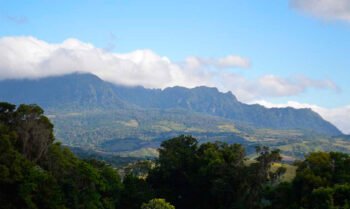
[210, 100]
[68, 92]
[82, 91]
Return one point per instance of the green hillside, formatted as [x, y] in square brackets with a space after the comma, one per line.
[225, 105]
[126, 132]
[90, 113]
[37, 173]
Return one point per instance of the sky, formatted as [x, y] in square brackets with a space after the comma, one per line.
[275, 53]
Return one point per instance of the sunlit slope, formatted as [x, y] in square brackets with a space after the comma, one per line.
[90, 112]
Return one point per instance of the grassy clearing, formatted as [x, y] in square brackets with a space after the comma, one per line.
[290, 172]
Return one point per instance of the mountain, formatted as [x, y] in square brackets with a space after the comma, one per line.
[87, 91]
[211, 101]
[91, 113]
[70, 92]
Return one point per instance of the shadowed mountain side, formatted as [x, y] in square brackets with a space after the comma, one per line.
[85, 92]
[71, 92]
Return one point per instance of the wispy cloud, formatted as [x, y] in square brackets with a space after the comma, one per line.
[111, 42]
[338, 116]
[230, 61]
[16, 19]
[28, 57]
[325, 9]
[112, 37]
[272, 85]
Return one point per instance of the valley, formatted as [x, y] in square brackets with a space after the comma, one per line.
[132, 121]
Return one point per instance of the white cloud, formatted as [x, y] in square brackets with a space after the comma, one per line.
[337, 116]
[28, 57]
[230, 61]
[233, 61]
[271, 85]
[326, 9]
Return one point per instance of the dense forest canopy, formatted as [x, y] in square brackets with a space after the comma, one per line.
[36, 172]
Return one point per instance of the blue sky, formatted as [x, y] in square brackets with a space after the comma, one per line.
[281, 38]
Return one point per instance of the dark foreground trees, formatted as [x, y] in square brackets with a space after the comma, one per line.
[322, 182]
[37, 173]
[211, 175]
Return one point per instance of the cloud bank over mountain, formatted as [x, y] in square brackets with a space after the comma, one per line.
[325, 9]
[28, 57]
[338, 116]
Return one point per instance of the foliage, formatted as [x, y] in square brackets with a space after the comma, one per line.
[132, 121]
[139, 169]
[37, 173]
[157, 204]
[115, 161]
[212, 175]
[136, 191]
[34, 173]
[22, 183]
[34, 130]
[322, 181]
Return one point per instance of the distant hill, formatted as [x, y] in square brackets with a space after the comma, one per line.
[211, 101]
[90, 112]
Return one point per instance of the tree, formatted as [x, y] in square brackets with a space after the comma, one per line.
[140, 168]
[259, 174]
[37, 173]
[212, 175]
[322, 181]
[22, 183]
[321, 198]
[157, 204]
[135, 192]
[173, 176]
[35, 131]
[220, 180]
[7, 113]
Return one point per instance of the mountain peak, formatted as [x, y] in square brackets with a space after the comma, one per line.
[86, 91]
[71, 91]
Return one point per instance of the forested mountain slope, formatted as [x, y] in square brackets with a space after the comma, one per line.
[82, 92]
[91, 113]
[211, 101]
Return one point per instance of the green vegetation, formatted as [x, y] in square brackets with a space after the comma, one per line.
[133, 121]
[211, 175]
[115, 132]
[115, 161]
[157, 204]
[290, 171]
[37, 173]
[322, 181]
